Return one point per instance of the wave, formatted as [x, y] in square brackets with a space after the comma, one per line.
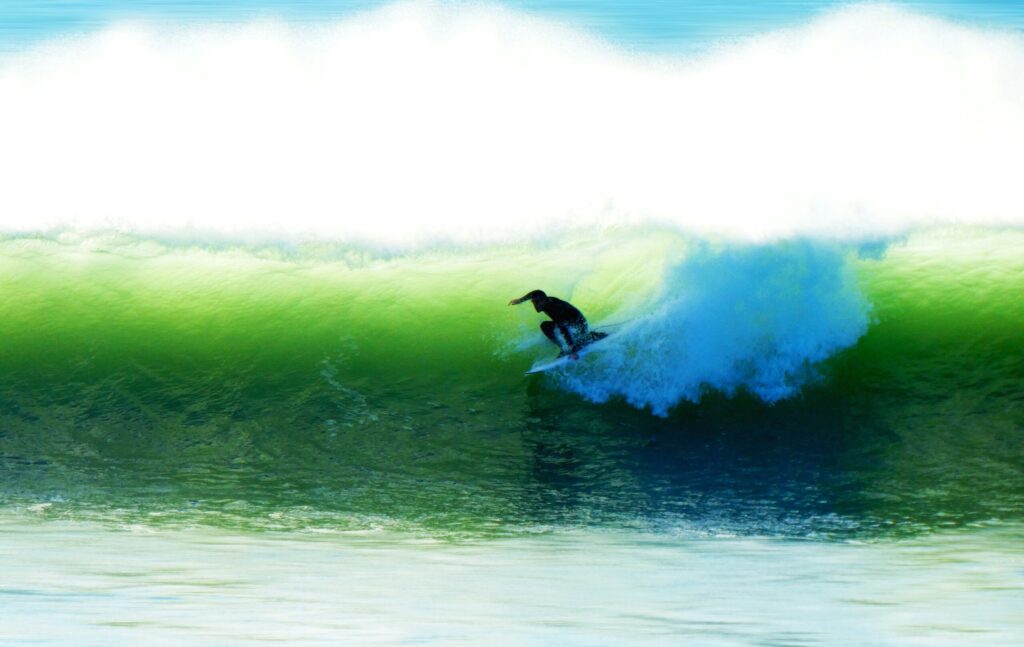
[696, 317]
[423, 123]
[841, 389]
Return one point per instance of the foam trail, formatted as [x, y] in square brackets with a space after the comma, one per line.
[421, 121]
[756, 318]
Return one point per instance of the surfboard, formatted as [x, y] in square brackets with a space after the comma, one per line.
[564, 359]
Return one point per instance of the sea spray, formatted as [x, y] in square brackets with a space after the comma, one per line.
[421, 122]
[731, 317]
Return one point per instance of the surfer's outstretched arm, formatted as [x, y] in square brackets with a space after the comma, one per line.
[536, 296]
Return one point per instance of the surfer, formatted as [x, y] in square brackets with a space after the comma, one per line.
[568, 327]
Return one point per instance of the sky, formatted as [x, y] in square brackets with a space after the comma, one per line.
[657, 25]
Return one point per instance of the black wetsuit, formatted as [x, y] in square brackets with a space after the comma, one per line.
[569, 321]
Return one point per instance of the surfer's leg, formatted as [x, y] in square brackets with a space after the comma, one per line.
[581, 335]
[570, 333]
[584, 336]
[548, 328]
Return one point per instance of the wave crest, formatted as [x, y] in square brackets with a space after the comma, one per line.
[473, 123]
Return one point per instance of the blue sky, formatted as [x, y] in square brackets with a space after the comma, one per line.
[646, 24]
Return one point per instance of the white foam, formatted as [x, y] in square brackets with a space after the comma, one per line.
[751, 317]
[476, 123]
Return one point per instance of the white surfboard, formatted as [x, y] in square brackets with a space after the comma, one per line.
[565, 359]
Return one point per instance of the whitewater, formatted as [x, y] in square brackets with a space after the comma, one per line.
[420, 123]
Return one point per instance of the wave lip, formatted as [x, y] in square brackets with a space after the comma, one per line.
[419, 121]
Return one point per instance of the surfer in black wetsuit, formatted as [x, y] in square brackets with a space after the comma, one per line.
[566, 322]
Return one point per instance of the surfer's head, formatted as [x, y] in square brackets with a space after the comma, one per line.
[537, 297]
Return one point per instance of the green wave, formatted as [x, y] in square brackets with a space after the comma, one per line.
[193, 384]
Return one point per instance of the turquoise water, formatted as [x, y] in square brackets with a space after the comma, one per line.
[260, 381]
[647, 24]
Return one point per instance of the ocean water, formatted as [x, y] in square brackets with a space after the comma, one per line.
[260, 381]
